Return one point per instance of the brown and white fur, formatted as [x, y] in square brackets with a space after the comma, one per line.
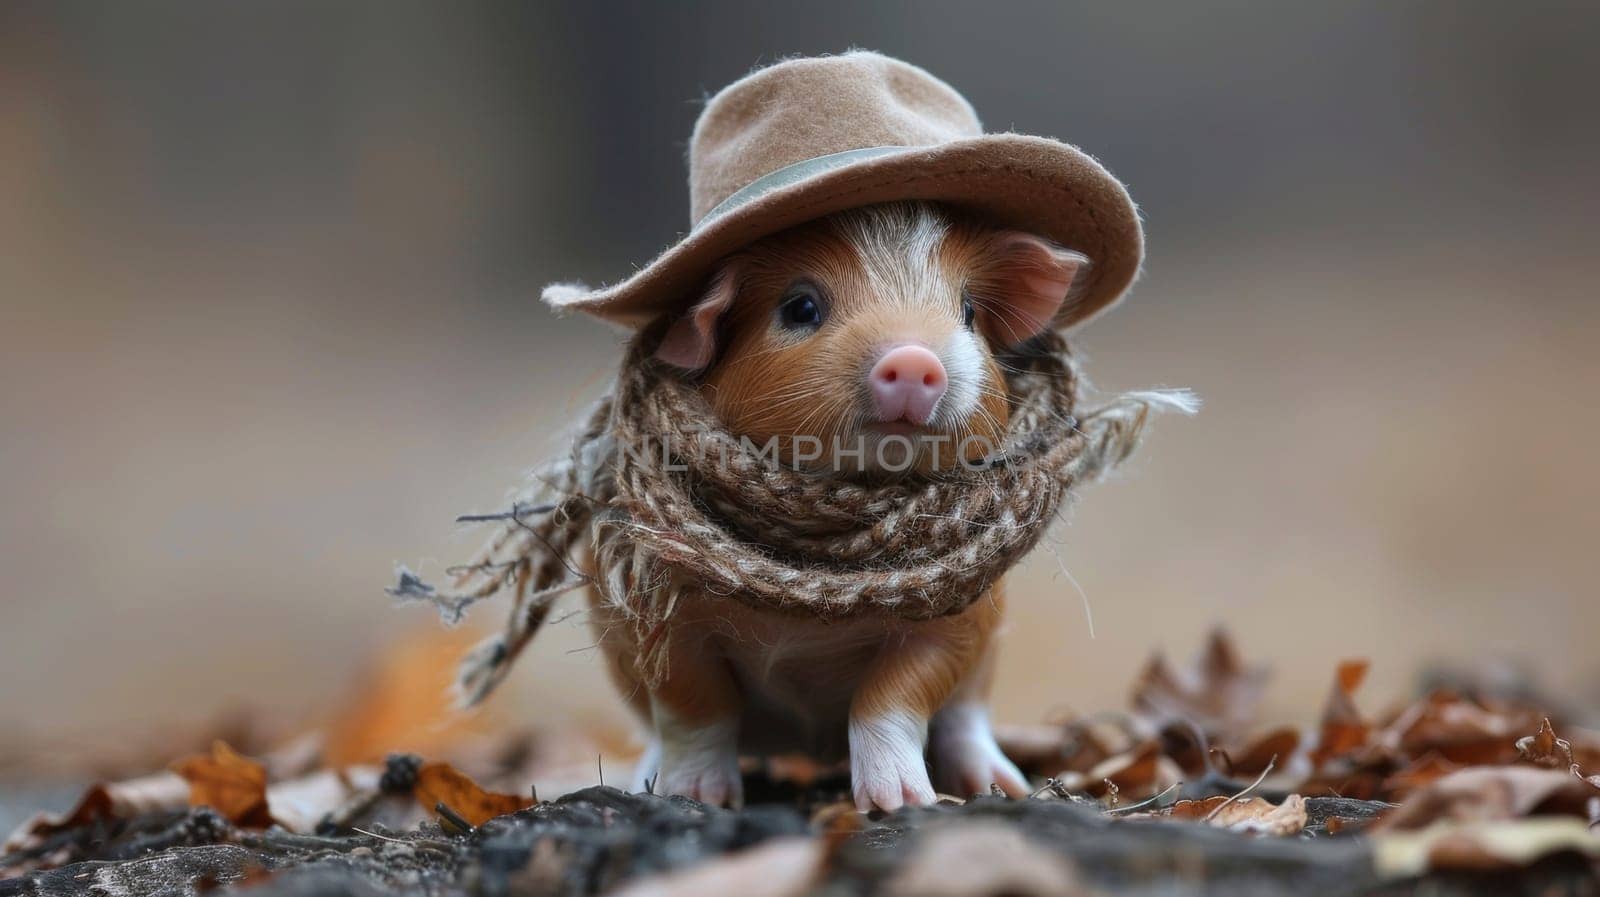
[911, 303]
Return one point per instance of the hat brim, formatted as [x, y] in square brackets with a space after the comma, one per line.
[1035, 184]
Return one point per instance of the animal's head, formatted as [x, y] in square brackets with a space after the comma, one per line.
[867, 340]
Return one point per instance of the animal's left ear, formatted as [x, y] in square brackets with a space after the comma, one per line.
[691, 340]
[1023, 286]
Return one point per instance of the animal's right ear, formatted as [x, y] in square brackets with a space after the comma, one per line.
[691, 340]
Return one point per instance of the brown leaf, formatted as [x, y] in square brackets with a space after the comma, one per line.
[1489, 793]
[1420, 773]
[1254, 757]
[1343, 729]
[1218, 692]
[1338, 824]
[1136, 773]
[1351, 782]
[231, 784]
[1254, 815]
[441, 783]
[1543, 748]
[1459, 729]
[163, 791]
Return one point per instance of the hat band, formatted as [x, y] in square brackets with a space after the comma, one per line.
[793, 174]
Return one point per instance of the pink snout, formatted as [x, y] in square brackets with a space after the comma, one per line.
[907, 382]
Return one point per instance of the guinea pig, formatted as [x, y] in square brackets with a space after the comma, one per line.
[865, 342]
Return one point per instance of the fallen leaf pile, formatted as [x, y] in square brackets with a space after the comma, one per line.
[330, 778]
[1479, 781]
[1458, 779]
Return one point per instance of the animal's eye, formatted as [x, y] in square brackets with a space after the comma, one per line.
[969, 312]
[801, 308]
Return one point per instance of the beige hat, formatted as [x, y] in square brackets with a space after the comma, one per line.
[809, 137]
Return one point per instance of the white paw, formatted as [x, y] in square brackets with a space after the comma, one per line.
[701, 762]
[715, 781]
[966, 759]
[887, 770]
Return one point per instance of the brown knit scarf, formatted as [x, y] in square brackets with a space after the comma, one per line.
[669, 501]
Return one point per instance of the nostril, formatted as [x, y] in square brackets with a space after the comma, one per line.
[928, 379]
[891, 375]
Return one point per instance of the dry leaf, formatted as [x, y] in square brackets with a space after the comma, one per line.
[1132, 775]
[1253, 815]
[441, 783]
[1479, 846]
[231, 784]
[1490, 793]
[1420, 773]
[163, 791]
[1343, 730]
[1254, 757]
[1459, 729]
[1544, 749]
[1218, 693]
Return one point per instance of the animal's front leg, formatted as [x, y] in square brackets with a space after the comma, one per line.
[966, 759]
[695, 710]
[912, 677]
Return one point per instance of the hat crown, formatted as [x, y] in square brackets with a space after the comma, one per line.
[805, 108]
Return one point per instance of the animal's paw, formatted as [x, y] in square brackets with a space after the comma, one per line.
[701, 762]
[712, 780]
[887, 770]
[966, 759]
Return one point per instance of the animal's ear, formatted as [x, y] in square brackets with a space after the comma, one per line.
[1023, 287]
[691, 340]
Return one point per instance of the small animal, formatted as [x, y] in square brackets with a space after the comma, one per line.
[872, 334]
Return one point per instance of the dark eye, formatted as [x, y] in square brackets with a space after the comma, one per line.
[969, 312]
[801, 308]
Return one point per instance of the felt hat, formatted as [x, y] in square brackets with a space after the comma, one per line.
[809, 137]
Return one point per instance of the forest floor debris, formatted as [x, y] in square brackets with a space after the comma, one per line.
[1461, 791]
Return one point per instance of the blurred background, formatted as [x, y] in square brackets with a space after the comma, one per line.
[269, 321]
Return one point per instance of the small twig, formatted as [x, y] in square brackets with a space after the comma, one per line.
[481, 567]
[1112, 791]
[1147, 802]
[378, 836]
[454, 818]
[517, 512]
[1049, 785]
[1247, 789]
[533, 791]
[599, 764]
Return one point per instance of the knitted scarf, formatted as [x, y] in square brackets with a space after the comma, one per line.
[668, 500]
